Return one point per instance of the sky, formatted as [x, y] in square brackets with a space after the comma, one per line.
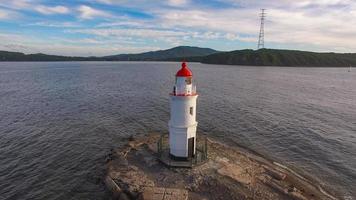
[107, 27]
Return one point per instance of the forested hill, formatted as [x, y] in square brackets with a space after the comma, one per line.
[174, 54]
[262, 57]
[274, 57]
[162, 55]
[17, 56]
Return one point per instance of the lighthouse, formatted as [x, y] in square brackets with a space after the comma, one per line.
[183, 124]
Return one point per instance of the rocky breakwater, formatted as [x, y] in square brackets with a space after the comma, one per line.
[134, 172]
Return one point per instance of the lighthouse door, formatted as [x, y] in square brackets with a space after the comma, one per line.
[191, 147]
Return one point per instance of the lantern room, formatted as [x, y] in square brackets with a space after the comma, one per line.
[184, 82]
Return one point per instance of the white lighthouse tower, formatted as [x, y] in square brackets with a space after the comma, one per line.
[183, 124]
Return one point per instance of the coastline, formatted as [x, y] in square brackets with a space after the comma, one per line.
[175, 61]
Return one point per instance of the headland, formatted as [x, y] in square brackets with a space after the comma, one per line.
[135, 171]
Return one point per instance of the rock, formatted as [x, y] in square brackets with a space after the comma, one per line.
[153, 147]
[272, 183]
[235, 172]
[175, 194]
[123, 196]
[133, 172]
[274, 173]
[113, 187]
[152, 193]
[133, 181]
[159, 193]
[131, 138]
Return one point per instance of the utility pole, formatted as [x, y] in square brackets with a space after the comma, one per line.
[261, 38]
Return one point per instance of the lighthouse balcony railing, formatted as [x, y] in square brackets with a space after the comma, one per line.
[184, 91]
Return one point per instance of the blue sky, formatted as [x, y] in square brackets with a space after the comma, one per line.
[105, 27]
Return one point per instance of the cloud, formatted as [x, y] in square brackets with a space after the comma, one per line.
[3, 14]
[105, 1]
[126, 22]
[47, 10]
[13, 42]
[16, 47]
[33, 5]
[16, 4]
[227, 20]
[178, 2]
[321, 25]
[56, 24]
[332, 30]
[68, 47]
[166, 35]
[288, 23]
[7, 14]
[87, 12]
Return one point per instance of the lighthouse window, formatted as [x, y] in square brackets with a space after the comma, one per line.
[191, 110]
[188, 80]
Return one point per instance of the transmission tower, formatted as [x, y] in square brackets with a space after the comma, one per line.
[261, 38]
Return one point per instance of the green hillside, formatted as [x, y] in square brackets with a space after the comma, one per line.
[274, 57]
[16, 56]
[174, 54]
[163, 55]
[262, 57]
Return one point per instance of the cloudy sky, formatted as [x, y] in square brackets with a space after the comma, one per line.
[104, 27]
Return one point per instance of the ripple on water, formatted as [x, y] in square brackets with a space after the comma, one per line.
[58, 120]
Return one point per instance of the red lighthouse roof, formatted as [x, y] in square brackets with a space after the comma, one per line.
[184, 71]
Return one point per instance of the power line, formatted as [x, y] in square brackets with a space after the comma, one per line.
[261, 38]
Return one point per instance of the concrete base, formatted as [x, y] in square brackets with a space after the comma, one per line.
[173, 157]
[166, 158]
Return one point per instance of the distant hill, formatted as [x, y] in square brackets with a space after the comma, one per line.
[175, 53]
[261, 57]
[274, 57]
[17, 56]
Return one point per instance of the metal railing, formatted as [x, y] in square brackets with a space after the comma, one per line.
[185, 93]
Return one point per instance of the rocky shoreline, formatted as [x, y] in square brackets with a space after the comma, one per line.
[134, 172]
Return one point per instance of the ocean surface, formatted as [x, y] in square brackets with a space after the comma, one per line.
[58, 120]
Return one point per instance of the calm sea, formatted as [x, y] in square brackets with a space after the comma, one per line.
[59, 120]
